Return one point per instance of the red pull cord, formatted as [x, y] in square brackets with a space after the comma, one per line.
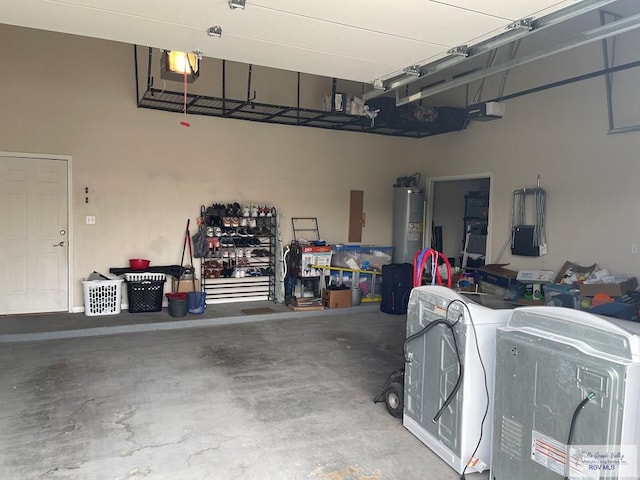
[184, 123]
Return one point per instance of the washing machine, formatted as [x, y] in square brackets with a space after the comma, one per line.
[567, 394]
[448, 383]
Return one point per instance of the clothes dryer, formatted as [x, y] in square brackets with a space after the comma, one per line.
[450, 348]
[567, 395]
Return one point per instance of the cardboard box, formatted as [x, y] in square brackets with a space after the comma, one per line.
[496, 274]
[571, 273]
[536, 276]
[185, 285]
[336, 298]
[616, 289]
[319, 256]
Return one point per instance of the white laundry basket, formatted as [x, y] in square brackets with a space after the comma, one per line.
[102, 297]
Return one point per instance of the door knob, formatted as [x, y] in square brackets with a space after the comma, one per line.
[61, 244]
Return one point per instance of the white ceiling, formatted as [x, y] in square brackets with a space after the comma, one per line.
[359, 40]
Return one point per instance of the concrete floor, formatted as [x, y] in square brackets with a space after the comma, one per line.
[286, 395]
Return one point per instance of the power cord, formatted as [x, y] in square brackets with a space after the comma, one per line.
[456, 387]
[486, 389]
[567, 465]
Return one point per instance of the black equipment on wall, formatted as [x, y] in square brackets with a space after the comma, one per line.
[527, 238]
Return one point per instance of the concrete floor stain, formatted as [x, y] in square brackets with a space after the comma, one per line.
[348, 473]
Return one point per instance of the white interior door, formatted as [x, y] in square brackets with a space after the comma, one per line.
[34, 238]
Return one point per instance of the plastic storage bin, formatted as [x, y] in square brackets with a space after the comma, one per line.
[145, 291]
[102, 297]
[361, 257]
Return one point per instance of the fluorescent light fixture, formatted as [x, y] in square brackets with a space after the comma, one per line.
[174, 65]
[233, 4]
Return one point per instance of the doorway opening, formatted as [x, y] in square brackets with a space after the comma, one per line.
[458, 218]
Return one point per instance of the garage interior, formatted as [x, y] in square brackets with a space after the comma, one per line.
[286, 394]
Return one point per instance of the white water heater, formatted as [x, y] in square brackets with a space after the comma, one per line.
[408, 223]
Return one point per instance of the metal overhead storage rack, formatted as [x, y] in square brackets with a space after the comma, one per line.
[247, 109]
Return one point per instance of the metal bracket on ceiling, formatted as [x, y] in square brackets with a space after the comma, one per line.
[412, 70]
[460, 51]
[378, 84]
[234, 4]
[215, 31]
[523, 24]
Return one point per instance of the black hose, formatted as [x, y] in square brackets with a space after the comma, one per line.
[567, 467]
[456, 387]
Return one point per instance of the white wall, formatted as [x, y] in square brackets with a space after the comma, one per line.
[591, 178]
[146, 174]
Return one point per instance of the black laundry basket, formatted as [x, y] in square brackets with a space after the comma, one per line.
[145, 295]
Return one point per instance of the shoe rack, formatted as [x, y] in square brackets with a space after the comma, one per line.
[241, 258]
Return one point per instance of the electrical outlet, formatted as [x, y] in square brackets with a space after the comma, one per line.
[634, 249]
[90, 220]
[543, 249]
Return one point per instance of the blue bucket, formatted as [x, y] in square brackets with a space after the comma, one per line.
[197, 302]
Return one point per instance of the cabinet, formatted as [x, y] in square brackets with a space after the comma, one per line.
[240, 262]
[474, 241]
